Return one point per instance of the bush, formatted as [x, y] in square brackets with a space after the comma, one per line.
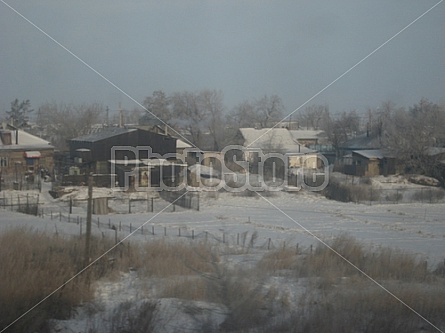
[35, 265]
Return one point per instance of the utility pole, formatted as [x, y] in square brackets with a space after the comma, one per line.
[89, 215]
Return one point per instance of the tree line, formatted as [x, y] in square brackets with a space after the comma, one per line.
[409, 133]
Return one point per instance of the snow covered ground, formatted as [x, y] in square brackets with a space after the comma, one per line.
[285, 218]
[279, 219]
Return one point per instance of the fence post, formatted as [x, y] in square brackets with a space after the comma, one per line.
[237, 238]
[193, 234]
[130, 228]
[224, 237]
[179, 231]
[152, 229]
[129, 206]
[60, 216]
[268, 244]
[120, 225]
[297, 248]
[152, 205]
[165, 231]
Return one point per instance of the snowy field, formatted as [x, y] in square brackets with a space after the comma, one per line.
[287, 219]
[280, 219]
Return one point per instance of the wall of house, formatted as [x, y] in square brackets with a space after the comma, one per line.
[14, 165]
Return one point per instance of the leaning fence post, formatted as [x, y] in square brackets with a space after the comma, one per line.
[268, 244]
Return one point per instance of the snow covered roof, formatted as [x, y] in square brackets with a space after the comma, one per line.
[371, 153]
[182, 144]
[276, 139]
[104, 133]
[24, 140]
[307, 134]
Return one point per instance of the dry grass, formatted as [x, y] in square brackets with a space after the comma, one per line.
[33, 265]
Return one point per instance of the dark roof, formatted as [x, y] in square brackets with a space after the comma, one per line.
[361, 142]
[104, 133]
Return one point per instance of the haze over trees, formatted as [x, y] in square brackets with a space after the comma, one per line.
[18, 114]
[414, 134]
[66, 121]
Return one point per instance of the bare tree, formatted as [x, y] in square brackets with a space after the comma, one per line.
[268, 110]
[211, 103]
[158, 106]
[60, 123]
[342, 128]
[242, 115]
[313, 116]
[412, 135]
[18, 115]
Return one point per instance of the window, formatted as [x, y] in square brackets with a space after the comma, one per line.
[3, 161]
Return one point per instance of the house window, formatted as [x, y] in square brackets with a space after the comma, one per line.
[3, 161]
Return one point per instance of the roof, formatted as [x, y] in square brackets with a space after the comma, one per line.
[25, 141]
[307, 134]
[370, 153]
[104, 133]
[361, 142]
[277, 139]
[182, 144]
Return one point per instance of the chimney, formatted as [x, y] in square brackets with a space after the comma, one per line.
[6, 137]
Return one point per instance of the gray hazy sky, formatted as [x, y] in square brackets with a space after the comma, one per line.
[244, 48]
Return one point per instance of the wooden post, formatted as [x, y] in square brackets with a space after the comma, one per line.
[152, 205]
[224, 237]
[165, 231]
[179, 231]
[152, 229]
[237, 239]
[129, 206]
[120, 225]
[268, 244]
[193, 234]
[89, 216]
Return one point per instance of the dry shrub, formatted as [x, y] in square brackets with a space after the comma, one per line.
[278, 260]
[34, 265]
[383, 263]
[365, 308]
[347, 192]
[130, 317]
[163, 258]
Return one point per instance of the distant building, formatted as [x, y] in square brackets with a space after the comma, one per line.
[113, 148]
[23, 154]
